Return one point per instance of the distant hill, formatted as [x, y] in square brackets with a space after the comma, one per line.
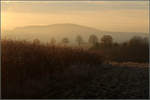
[59, 31]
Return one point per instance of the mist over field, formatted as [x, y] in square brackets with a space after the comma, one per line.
[59, 31]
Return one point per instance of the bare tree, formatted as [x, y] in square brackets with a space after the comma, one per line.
[53, 41]
[107, 40]
[36, 41]
[136, 41]
[65, 41]
[79, 40]
[93, 39]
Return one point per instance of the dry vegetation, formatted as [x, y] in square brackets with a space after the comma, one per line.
[32, 70]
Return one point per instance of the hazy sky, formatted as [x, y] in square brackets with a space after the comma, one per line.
[130, 16]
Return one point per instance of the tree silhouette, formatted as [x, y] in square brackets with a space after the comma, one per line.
[79, 40]
[107, 40]
[53, 41]
[36, 41]
[136, 41]
[65, 41]
[93, 39]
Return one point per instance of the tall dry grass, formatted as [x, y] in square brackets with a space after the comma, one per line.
[24, 61]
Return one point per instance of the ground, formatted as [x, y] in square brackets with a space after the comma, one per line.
[107, 81]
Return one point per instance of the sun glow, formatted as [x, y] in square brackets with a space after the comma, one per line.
[98, 14]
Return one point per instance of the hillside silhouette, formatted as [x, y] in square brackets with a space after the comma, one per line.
[59, 31]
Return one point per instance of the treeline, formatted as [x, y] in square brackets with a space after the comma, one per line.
[134, 50]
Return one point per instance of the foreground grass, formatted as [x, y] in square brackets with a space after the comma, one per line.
[43, 71]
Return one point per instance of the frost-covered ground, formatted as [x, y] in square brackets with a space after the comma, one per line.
[106, 81]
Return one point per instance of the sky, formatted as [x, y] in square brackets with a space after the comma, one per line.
[123, 16]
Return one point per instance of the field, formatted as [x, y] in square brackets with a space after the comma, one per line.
[31, 70]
